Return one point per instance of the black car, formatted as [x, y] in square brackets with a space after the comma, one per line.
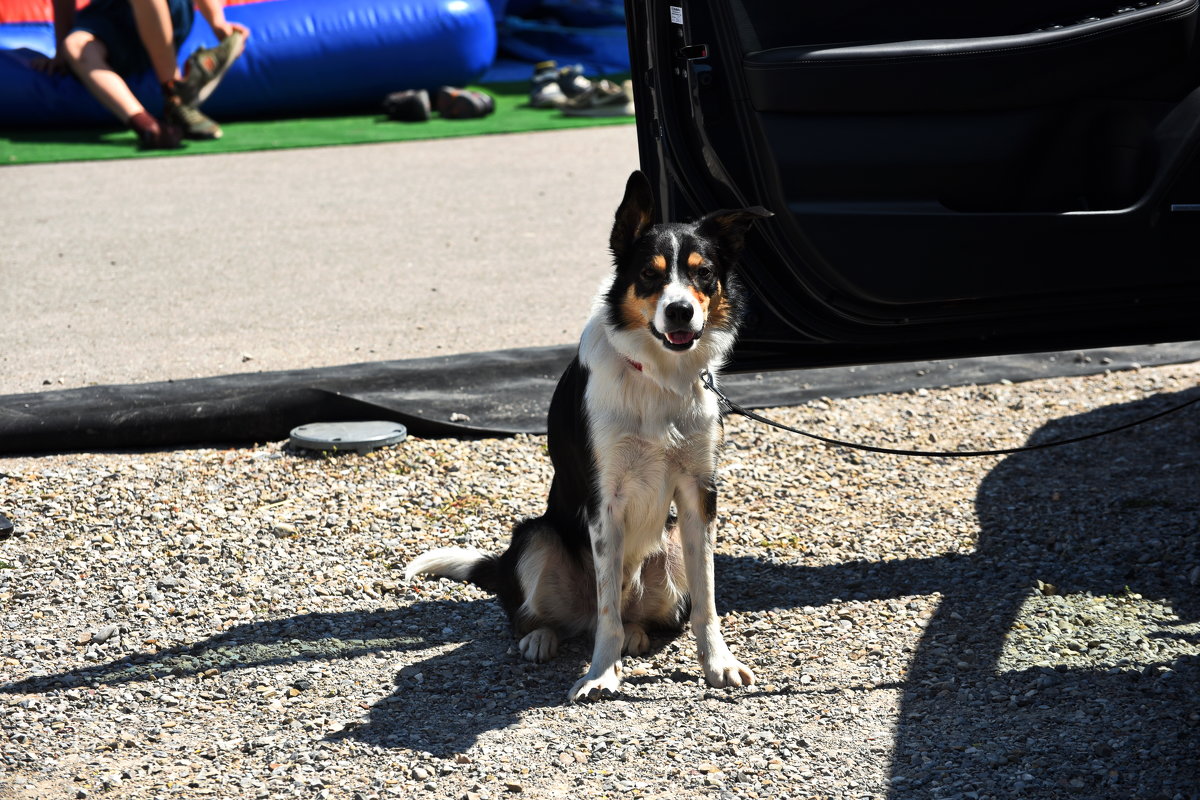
[949, 178]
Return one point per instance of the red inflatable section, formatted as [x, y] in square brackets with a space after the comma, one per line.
[43, 10]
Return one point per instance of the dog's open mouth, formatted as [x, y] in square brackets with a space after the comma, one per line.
[677, 340]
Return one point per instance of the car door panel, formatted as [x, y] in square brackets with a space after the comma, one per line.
[1053, 63]
[947, 181]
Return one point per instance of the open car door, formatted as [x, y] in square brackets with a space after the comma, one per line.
[948, 178]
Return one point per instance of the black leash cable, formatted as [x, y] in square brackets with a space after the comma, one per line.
[732, 407]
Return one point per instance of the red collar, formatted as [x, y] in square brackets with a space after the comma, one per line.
[632, 363]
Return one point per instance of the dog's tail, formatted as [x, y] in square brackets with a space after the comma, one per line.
[461, 564]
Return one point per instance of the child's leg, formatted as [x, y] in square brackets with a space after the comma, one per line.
[88, 59]
[154, 26]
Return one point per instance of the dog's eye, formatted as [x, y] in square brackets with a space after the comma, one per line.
[650, 274]
[705, 274]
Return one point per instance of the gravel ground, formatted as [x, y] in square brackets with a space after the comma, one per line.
[233, 624]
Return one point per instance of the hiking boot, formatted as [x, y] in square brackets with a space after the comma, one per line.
[206, 66]
[544, 91]
[194, 123]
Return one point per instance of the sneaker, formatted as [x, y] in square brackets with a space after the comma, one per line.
[163, 136]
[603, 99]
[206, 66]
[454, 103]
[411, 105]
[544, 91]
[572, 82]
[194, 123]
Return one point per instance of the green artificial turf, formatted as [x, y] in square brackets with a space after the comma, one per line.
[513, 115]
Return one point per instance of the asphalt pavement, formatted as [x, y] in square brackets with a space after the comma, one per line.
[143, 270]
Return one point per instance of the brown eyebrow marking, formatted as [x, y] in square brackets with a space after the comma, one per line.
[695, 260]
[659, 262]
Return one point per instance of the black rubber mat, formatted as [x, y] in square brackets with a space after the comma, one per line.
[495, 393]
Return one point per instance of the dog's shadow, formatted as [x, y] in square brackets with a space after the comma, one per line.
[1114, 517]
[473, 682]
[443, 703]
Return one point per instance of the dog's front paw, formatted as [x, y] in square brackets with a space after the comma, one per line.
[727, 671]
[602, 687]
[539, 646]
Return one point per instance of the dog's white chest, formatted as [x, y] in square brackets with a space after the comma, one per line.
[641, 459]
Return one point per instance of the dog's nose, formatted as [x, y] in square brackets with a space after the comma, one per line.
[678, 312]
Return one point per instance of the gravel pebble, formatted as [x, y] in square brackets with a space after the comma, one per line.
[234, 623]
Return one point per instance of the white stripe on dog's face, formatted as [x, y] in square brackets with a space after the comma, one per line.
[664, 259]
[681, 311]
[669, 316]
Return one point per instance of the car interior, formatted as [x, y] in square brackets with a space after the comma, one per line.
[939, 170]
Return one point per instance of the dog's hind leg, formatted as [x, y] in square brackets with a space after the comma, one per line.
[557, 593]
[539, 645]
[660, 602]
[636, 639]
[697, 504]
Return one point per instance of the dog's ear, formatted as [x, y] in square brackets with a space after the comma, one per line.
[728, 229]
[633, 216]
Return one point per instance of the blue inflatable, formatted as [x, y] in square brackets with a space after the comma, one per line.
[587, 32]
[304, 57]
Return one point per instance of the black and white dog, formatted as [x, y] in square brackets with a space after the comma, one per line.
[631, 431]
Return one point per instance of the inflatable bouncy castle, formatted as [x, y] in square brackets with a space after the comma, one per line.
[304, 57]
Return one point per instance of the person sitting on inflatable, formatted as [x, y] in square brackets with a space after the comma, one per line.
[108, 41]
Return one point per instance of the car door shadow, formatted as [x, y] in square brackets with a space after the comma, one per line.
[1109, 529]
[1056, 664]
[1062, 659]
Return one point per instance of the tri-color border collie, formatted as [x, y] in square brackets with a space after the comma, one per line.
[631, 431]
